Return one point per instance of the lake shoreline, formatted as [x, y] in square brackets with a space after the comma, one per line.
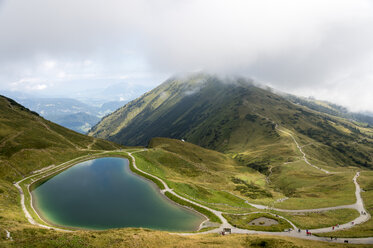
[128, 170]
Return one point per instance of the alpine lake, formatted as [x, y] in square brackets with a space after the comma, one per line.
[104, 193]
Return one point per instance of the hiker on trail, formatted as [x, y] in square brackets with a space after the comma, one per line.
[352, 223]
[333, 228]
[299, 230]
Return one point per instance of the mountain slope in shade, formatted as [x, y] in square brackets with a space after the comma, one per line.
[332, 109]
[29, 142]
[232, 115]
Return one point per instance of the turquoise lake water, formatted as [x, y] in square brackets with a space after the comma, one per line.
[103, 193]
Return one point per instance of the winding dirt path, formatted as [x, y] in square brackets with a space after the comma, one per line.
[359, 205]
[89, 147]
[224, 224]
[4, 141]
[51, 170]
[45, 125]
[300, 149]
[8, 235]
[268, 180]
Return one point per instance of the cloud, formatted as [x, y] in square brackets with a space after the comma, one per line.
[308, 47]
[40, 87]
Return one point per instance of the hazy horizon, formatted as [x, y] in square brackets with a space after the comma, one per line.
[82, 49]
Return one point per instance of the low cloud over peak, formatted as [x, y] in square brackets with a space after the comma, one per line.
[319, 48]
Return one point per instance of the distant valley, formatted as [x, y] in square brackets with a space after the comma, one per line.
[68, 112]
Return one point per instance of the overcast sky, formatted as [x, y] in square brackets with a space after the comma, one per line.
[312, 48]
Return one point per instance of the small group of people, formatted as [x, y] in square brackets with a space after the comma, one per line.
[308, 233]
[337, 226]
[331, 238]
[363, 213]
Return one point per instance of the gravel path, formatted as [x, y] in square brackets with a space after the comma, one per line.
[8, 235]
[300, 149]
[359, 206]
[38, 172]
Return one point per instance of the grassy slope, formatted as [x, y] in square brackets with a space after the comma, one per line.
[321, 219]
[207, 177]
[330, 108]
[41, 238]
[366, 229]
[198, 173]
[27, 143]
[310, 188]
[45, 143]
[235, 117]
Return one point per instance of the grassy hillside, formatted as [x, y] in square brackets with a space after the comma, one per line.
[139, 238]
[332, 109]
[235, 117]
[221, 182]
[365, 229]
[200, 174]
[28, 143]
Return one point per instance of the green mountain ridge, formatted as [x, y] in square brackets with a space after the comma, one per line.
[234, 116]
[331, 108]
[29, 142]
[219, 180]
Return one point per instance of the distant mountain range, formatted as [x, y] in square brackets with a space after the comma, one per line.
[29, 142]
[70, 113]
[233, 115]
[331, 108]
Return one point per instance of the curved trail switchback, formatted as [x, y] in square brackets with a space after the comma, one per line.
[359, 206]
[300, 149]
